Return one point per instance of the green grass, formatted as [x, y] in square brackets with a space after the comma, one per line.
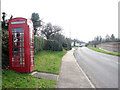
[11, 79]
[45, 61]
[99, 50]
[75, 47]
[0, 80]
[49, 61]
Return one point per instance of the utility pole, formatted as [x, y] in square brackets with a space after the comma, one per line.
[70, 34]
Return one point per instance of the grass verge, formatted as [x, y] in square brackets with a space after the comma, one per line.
[99, 50]
[11, 79]
[75, 47]
[49, 61]
[45, 61]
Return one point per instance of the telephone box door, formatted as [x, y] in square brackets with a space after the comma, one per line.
[16, 46]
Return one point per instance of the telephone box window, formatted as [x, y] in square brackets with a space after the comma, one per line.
[17, 29]
[15, 54]
[17, 46]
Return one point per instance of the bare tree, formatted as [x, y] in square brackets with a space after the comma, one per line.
[49, 30]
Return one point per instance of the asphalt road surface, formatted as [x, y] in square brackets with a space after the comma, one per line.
[101, 69]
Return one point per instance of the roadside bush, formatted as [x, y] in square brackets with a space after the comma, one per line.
[62, 40]
[53, 45]
[39, 44]
[5, 49]
[67, 46]
[64, 46]
[68, 42]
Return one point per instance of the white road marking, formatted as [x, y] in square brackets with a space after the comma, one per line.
[85, 74]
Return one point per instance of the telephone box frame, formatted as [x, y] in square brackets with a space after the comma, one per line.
[21, 45]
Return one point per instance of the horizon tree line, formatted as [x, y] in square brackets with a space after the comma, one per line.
[108, 38]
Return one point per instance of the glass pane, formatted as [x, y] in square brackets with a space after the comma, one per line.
[31, 40]
[20, 49]
[20, 54]
[21, 39]
[15, 49]
[23, 48]
[31, 49]
[18, 29]
[15, 35]
[16, 54]
[31, 60]
[15, 44]
[12, 30]
[22, 44]
[31, 54]
[23, 54]
[21, 34]
[12, 59]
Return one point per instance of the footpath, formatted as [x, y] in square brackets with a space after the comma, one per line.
[71, 75]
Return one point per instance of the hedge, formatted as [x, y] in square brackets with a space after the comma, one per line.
[53, 45]
[5, 49]
[66, 46]
[39, 44]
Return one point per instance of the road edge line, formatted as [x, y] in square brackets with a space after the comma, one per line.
[84, 73]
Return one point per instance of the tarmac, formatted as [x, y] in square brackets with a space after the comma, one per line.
[71, 75]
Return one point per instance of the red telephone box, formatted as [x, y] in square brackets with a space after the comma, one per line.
[21, 45]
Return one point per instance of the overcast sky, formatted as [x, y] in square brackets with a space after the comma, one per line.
[84, 19]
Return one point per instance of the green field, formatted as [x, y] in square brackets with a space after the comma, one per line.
[99, 50]
[45, 61]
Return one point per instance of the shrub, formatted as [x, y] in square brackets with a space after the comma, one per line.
[67, 45]
[53, 45]
[39, 44]
[5, 49]
[63, 41]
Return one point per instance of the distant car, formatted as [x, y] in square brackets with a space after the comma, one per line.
[80, 46]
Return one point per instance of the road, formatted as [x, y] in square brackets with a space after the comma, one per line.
[101, 69]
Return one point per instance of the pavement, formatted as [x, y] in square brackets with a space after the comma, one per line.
[71, 75]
